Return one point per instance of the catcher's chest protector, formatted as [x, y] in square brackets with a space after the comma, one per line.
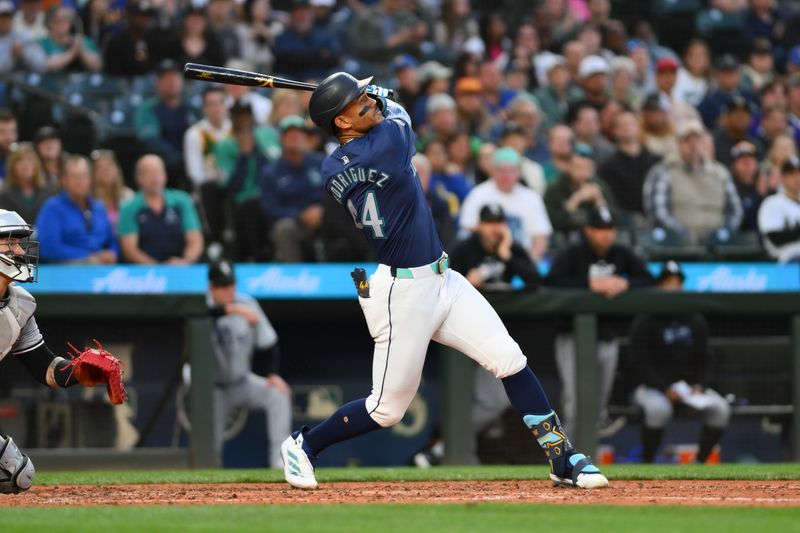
[13, 317]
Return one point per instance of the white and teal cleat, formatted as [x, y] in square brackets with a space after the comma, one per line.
[582, 474]
[297, 467]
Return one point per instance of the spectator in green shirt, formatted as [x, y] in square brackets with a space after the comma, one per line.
[577, 193]
[159, 225]
[67, 51]
[240, 156]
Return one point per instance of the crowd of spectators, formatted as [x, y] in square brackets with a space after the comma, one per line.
[681, 116]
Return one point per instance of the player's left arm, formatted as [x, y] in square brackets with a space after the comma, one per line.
[36, 357]
[638, 274]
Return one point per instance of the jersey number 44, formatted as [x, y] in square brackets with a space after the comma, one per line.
[369, 217]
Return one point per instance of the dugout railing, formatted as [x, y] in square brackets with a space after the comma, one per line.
[582, 308]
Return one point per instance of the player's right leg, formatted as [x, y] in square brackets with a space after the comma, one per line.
[277, 408]
[16, 468]
[473, 327]
[401, 315]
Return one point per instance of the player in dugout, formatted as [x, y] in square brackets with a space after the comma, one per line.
[414, 296]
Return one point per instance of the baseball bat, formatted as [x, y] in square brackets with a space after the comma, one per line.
[233, 76]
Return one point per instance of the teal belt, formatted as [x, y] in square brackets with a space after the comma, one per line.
[439, 266]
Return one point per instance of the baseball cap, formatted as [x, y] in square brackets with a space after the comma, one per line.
[690, 127]
[763, 46]
[492, 213]
[667, 64]
[439, 101]
[404, 61]
[167, 65]
[221, 274]
[296, 4]
[323, 3]
[653, 103]
[550, 61]
[633, 44]
[44, 133]
[592, 65]
[292, 121]
[743, 149]
[669, 269]
[792, 164]
[737, 103]
[618, 63]
[601, 218]
[468, 86]
[433, 70]
[474, 45]
[506, 156]
[6, 7]
[143, 7]
[726, 62]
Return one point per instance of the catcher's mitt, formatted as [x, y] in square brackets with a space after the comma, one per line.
[94, 366]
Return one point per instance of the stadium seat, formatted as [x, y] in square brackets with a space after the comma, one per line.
[659, 244]
[735, 246]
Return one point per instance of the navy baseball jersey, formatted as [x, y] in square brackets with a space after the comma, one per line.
[373, 177]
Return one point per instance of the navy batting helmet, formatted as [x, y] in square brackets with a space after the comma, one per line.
[333, 95]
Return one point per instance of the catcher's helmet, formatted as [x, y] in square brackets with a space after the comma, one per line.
[333, 95]
[19, 267]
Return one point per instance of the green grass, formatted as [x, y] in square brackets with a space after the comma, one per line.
[403, 518]
[481, 517]
[789, 471]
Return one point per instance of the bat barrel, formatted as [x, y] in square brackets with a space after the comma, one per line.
[231, 76]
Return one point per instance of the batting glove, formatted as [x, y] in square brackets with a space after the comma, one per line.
[379, 94]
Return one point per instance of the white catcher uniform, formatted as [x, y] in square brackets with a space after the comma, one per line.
[18, 330]
[19, 335]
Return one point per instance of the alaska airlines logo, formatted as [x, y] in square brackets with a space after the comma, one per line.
[120, 280]
[723, 279]
[276, 280]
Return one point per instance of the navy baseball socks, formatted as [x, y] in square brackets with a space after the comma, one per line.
[300, 450]
[568, 468]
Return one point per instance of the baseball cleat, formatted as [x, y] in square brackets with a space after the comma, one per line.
[297, 467]
[582, 474]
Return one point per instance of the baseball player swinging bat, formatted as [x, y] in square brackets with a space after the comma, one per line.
[232, 76]
[413, 297]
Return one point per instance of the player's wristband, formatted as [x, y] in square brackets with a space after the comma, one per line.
[58, 374]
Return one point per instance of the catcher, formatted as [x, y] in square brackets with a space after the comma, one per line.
[19, 336]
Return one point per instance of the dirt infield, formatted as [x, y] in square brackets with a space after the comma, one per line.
[718, 493]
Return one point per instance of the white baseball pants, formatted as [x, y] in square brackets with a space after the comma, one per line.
[404, 314]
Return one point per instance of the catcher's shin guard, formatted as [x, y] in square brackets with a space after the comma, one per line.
[567, 467]
[16, 468]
